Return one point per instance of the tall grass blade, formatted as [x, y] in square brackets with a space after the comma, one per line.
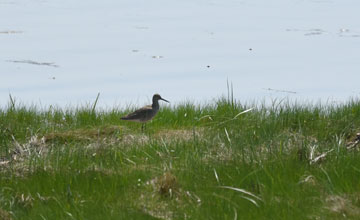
[12, 102]
[243, 112]
[227, 135]
[320, 157]
[216, 176]
[96, 100]
[250, 200]
[242, 191]
[235, 214]
[228, 90]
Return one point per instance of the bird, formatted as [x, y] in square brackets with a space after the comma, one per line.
[145, 113]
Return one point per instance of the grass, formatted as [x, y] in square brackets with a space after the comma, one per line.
[217, 161]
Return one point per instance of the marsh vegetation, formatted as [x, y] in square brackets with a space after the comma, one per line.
[223, 160]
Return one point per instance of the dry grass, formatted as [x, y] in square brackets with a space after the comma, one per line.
[220, 153]
[353, 142]
[94, 140]
[342, 206]
[83, 134]
[162, 194]
[167, 184]
[180, 135]
[4, 215]
[310, 180]
[21, 152]
[154, 200]
[122, 135]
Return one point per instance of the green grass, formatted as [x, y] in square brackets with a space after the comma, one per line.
[192, 162]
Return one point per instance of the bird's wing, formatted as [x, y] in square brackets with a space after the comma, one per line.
[139, 114]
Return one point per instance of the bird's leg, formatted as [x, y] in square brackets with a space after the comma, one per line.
[142, 127]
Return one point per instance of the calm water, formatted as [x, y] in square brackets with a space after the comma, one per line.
[63, 52]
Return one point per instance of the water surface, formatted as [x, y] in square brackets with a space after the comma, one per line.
[65, 52]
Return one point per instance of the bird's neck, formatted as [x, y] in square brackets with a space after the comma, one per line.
[155, 105]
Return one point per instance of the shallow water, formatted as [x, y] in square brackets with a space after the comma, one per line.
[65, 52]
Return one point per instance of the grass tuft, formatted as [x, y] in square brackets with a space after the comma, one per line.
[222, 160]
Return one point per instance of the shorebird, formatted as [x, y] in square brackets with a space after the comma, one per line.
[145, 113]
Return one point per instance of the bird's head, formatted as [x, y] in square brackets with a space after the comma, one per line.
[157, 97]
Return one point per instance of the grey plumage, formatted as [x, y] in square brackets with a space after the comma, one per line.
[145, 113]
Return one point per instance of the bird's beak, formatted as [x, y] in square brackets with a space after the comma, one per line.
[165, 100]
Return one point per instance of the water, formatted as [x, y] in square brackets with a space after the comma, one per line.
[64, 52]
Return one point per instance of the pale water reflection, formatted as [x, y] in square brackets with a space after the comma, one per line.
[65, 52]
